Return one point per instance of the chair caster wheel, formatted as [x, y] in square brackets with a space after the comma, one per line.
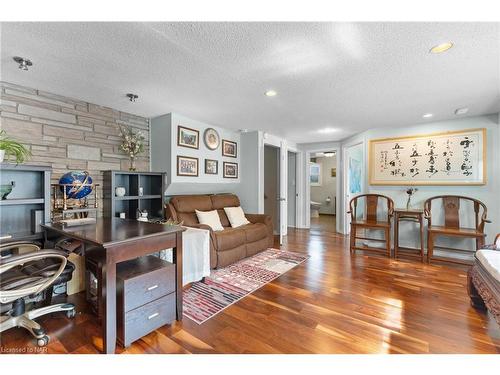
[42, 341]
[71, 313]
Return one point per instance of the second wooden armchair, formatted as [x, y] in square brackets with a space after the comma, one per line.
[452, 226]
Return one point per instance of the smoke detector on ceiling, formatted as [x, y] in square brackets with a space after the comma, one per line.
[461, 111]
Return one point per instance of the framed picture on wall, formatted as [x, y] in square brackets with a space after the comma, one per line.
[229, 148]
[334, 172]
[187, 166]
[211, 138]
[315, 174]
[187, 137]
[230, 170]
[211, 166]
[449, 158]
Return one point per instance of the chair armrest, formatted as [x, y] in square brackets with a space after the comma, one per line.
[7, 296]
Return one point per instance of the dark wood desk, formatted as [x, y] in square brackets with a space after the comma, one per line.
[121, 240]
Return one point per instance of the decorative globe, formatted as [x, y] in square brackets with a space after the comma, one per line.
[76, 179]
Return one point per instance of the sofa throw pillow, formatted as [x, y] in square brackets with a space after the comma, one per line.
[210, 218]
[236, 216]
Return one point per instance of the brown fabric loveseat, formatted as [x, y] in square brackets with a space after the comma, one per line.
[231, 244]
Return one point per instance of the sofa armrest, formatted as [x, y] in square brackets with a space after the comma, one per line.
[257, 218]
[267, 221]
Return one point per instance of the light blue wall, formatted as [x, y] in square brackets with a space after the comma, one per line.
[488, 194]
[164, 151]
[249, 188]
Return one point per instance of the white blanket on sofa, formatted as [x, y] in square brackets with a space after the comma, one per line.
[195, 255]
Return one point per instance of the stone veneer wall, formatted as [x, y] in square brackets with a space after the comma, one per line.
[68, 134]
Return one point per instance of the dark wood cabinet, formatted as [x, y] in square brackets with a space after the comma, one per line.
[143, 191]
[145, 297]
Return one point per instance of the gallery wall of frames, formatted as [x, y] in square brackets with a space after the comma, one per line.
[200, 152]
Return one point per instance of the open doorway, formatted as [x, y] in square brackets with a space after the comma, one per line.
[272, 185]
[323, 190]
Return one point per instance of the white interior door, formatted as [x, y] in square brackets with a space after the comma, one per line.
[354, 171]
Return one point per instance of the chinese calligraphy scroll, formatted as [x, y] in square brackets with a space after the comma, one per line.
[452, 158]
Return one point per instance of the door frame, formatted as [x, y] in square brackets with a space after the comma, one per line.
[345, 200]
[307, 185]
[297, 213]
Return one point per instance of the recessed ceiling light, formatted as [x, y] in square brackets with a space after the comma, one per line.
[461, 111]
[441, 47]
[329, 154]
[23, 62]
[327, 130]
[271, 93]
[427, 115]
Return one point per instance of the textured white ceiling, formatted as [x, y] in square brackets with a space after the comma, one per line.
[349, 77]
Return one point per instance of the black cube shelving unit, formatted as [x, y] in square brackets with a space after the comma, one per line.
[31, 193]
[152, 198]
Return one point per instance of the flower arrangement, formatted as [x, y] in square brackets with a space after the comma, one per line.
[410, 191]
[10, 147]
[132, 144]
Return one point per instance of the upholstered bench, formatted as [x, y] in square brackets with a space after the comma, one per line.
[483, 281]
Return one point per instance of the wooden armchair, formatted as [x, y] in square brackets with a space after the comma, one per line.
[451, 227]
[371, 220]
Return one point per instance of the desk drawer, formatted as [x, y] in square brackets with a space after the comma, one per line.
[144, 287]
[145, 319]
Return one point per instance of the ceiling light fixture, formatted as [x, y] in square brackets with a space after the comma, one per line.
[23, 63]
[443, 47]
[427, 115]
[329, 154]
[271, 93]
[132, 97]
[327, 130]
[461, 111]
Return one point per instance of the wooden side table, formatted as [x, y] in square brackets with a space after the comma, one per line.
[417, 216]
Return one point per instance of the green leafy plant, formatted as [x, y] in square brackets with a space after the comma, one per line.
[13, 148]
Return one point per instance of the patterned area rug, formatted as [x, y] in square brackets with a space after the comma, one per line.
[205, 299]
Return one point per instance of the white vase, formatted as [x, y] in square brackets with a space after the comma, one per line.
[2, 155]
[120, 191]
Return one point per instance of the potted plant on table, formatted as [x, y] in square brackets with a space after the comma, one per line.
[132, 144]
[12, 148]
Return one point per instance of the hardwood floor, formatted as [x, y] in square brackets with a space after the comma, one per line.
[332, 303]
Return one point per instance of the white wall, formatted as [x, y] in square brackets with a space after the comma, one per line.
[488, 193]
[328, 187]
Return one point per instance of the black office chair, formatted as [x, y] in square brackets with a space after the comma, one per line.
[29, 278]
